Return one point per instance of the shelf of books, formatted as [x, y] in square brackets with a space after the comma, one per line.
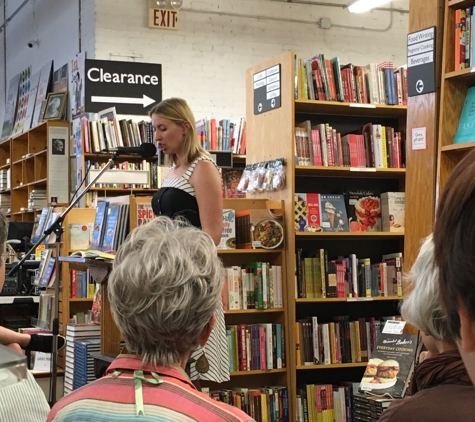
[342, 136]
[30, 169]
[255, 303]
[456, 137]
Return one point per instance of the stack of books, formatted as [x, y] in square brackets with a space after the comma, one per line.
[84, 362]
[37, 199]
[78, 332]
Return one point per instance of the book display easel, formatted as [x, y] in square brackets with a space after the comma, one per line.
[456, 81]
[273, 135]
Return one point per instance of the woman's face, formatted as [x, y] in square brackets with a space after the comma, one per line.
[168, 134]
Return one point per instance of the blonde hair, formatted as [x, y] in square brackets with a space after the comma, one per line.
[178, 111]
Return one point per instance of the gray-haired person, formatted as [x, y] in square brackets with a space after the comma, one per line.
[441, 389]
[164, 289]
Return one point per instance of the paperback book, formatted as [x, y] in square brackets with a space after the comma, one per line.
[391, 365]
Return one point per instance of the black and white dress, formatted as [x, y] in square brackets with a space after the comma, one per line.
[177, 198]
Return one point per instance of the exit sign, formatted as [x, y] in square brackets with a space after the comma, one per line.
[163, 18]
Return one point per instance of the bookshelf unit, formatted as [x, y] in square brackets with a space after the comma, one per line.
[32, 165]
[278, 125]
[454, 86]
[239, 257]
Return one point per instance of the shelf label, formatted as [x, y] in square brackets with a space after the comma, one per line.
[420, 62]
[364, 169]
[393, 327]
[359, 299]
[419, 138]
[362, 105]
[267, 94]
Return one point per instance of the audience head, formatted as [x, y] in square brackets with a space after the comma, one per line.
[422, 307]
[164, 289]
[454, 240]
[175, 116]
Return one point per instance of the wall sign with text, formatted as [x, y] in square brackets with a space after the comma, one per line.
[421, 62]
[163, 18]
[130, 87]
[267, 93]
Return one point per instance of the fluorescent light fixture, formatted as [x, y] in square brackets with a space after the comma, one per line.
[361, 6]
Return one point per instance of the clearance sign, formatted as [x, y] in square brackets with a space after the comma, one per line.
[163, 18]
[130, 87]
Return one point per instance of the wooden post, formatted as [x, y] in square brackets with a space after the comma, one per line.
[422, 111]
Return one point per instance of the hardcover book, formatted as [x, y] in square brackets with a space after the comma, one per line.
[99, 223]
[228, 236]
[333, 213]
[466, 126]
[80, 235]
[393, 211]
[391, 365]
[111, 228]
[364, 211]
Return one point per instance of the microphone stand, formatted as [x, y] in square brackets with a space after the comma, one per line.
[57, 228]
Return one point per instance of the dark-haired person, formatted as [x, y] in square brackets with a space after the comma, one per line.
[23, 401]
[441, 389]
[454, 240]
[192, 190]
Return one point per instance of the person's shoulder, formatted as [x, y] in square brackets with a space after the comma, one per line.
[205, 166]
[233, 413]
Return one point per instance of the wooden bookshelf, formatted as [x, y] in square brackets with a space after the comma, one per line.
[278, 125]
[454, 86]
[29, 159]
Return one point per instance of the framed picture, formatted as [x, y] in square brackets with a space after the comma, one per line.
[54, 105]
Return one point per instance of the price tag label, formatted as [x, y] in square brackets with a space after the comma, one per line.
[393, 327]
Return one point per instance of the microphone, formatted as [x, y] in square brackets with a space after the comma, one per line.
[146, 150]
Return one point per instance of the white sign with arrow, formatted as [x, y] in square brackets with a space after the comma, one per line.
[145, 101]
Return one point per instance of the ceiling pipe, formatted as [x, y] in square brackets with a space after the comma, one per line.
[7, 20]
[341, 6]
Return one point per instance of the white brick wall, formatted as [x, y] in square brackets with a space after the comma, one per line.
[55, 24]
[205, 60]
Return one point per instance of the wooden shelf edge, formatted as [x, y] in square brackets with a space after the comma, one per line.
[146, 190]
[462, 147]
[347, 299]
[253, 311]
[349, 234]
[81, 299]
[332, 366]
[342, 104]
[258, 372]
[246, 251]
[350, 170]
[459, 4]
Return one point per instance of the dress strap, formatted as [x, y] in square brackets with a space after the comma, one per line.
[191, 169]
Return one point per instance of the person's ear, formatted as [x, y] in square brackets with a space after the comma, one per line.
[207, 330]
[186, 127]
[467, 330]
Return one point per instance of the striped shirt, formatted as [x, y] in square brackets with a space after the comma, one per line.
[23, 401]
[112, 399]
[183, 182]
